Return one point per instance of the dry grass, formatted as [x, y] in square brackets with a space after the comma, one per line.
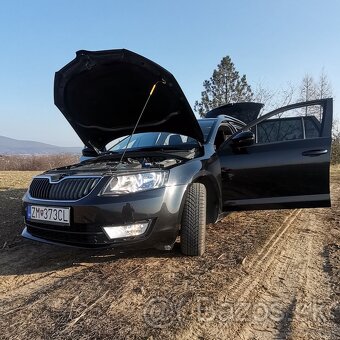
[335, 168]
[13, 185]
[36, 162]
[16, 179]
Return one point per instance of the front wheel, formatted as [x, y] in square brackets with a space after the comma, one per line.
[194, 221]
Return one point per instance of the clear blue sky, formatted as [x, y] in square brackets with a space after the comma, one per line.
[271, 41]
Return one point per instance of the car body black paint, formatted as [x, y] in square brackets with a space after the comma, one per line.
[102, 93]
[257, 176]
[246, 112]
[281, 174]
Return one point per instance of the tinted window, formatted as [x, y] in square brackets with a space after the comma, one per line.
[297, 123]
[311, 127]
[206, 126]
[279, 130]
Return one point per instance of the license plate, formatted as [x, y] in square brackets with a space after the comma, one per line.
[49, 214]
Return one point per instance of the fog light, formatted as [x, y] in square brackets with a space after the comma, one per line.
[125, 230]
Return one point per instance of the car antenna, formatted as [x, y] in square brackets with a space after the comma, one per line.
[139, 118]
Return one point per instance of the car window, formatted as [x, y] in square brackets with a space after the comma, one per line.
[279, 130]
[290, 125]
[223, 133]
[206, 126]
[137, 140]
[150, 139]
[312, 127]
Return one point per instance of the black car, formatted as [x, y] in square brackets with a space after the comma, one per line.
[155, 173]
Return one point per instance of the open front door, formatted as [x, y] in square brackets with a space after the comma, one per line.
[285, 164]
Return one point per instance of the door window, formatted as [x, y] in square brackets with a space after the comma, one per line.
[223, 133]
[290, 125]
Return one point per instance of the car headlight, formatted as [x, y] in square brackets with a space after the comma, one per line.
[125, 184]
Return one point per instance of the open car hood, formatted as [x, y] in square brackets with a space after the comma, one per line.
[102, 94]
[245, 111]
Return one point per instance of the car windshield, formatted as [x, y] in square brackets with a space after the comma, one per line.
[153, 139]
[162, 139]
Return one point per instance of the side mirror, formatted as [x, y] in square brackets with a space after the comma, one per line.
[243, 139]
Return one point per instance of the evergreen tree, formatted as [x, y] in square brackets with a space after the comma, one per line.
[225, 86]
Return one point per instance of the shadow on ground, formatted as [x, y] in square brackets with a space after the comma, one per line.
[20, 257]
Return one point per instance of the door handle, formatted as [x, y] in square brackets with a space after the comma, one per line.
[313, 153]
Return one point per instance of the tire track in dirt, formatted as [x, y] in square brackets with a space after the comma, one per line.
[282, 292]
[260, 263]
[239, 292]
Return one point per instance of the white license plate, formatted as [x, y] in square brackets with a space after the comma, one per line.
[49, 214]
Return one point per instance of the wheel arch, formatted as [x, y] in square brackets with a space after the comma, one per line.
[213, 197]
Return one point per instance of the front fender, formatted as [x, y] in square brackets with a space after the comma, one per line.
[206, 171]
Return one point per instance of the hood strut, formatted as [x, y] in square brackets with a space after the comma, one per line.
[139, 118]
[94, 148]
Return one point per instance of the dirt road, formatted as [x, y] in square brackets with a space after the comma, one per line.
[265, 275]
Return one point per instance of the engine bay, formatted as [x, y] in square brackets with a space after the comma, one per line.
[128, 163]
[132, 161]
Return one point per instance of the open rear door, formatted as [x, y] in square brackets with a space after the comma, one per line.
[287, 166]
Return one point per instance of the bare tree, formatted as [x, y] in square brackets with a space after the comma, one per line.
[286, 95]
[323, 88]
[264, 96]
[274, 99]
[307, 91]
[335, 156]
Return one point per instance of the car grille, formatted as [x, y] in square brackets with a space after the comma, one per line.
[69, 189]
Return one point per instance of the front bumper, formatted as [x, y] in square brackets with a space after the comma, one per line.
[161, 208]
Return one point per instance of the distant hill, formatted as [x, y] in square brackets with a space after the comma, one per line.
[10, 146]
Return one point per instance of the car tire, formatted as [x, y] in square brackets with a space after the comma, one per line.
[194, 221]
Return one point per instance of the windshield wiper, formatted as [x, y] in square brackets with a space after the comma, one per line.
[154, 152]
[102, 156]
[109, 152]
[168, 148]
